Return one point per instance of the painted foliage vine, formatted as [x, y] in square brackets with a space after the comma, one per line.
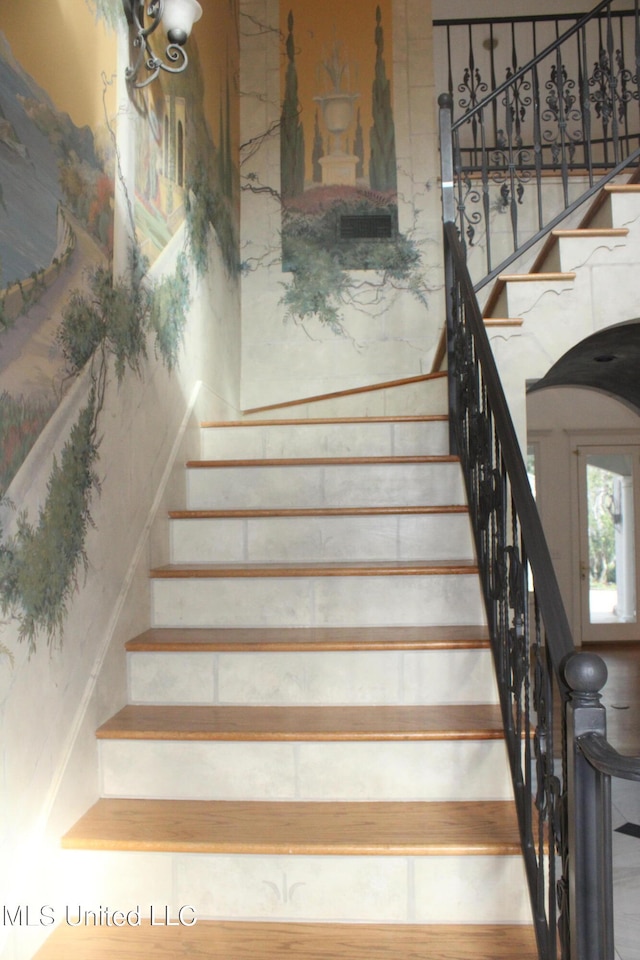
[40, 564]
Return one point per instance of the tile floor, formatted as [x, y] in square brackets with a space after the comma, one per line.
[621, 696]
[626, 870]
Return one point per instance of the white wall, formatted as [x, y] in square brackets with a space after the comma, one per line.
[386, 337]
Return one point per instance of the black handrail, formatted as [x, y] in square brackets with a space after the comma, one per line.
[553, 720]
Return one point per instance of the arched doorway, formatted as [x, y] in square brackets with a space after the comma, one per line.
[584, 430]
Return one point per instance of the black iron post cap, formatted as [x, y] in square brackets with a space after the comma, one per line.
[585, 672]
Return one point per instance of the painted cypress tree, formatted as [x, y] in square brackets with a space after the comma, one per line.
[382, 165]
[358, 148]
[291, 129]
[318, 152]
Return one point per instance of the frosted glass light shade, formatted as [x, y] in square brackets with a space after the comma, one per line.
[179, 17]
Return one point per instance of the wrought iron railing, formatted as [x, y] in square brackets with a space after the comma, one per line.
[555, 725]
[548, 134]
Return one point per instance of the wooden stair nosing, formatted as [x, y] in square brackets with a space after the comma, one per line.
[320, 461]
[550, 277]
[503, 321]
[235, 940]
[306, 639]
[381, 568]
[335, 828]
[326, 421]
[337, 724]
[353, 391]
[318, 512]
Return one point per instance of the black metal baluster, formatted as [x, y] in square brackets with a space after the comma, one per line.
[585, 102]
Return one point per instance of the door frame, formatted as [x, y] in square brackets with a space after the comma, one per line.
[624, 442]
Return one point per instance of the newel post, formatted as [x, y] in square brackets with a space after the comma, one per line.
[588, 815]
[445, 102]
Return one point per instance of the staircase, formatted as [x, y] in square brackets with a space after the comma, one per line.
[578, 284]
[311, 763]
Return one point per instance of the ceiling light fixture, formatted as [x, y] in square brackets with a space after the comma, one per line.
[177, 18]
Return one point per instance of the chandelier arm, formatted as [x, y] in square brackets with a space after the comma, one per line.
[174, 53]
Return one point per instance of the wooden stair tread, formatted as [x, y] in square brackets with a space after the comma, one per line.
[326, 421]
[592, 232]
[535, 277]
[340, 828]
[622, 188]
[318, 512]
[304, 723]
[503, 321]
[228, 940]
[295, 639]
[320, 461]
[356, 568]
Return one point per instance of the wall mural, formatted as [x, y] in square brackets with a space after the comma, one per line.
[56, 221]
[338, 189]
[61, 308]
[338, 157]
[57, 163]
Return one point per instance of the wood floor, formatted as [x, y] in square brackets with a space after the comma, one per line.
[277, 941]
[621, 694]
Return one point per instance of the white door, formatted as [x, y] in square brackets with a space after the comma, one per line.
[608, 507]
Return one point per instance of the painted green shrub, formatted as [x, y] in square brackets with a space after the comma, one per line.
[39, 566]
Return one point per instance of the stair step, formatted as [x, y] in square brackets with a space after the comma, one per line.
[326, 437]
[215, 640]
[335, 723]
[209, 940]
[330, 829]
[551, 277]
[319, 461]
[379, 568]
[317, 535]
[324, 482]
[309, 666]
[316, 594]
[320, 512]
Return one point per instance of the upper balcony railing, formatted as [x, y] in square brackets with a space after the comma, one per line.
[543, 112]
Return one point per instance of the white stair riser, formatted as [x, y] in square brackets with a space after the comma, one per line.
[344, 485]
[303, 539]
[624, 208]
[317, 601]
[265, 770]
[393, 889]
[326, 440]
[306, 678]
[575, 252]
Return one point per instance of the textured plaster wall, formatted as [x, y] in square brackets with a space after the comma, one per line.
[52, 701]
[388, 333]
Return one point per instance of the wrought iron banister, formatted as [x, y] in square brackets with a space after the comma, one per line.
[571, 114]
[555, 725]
